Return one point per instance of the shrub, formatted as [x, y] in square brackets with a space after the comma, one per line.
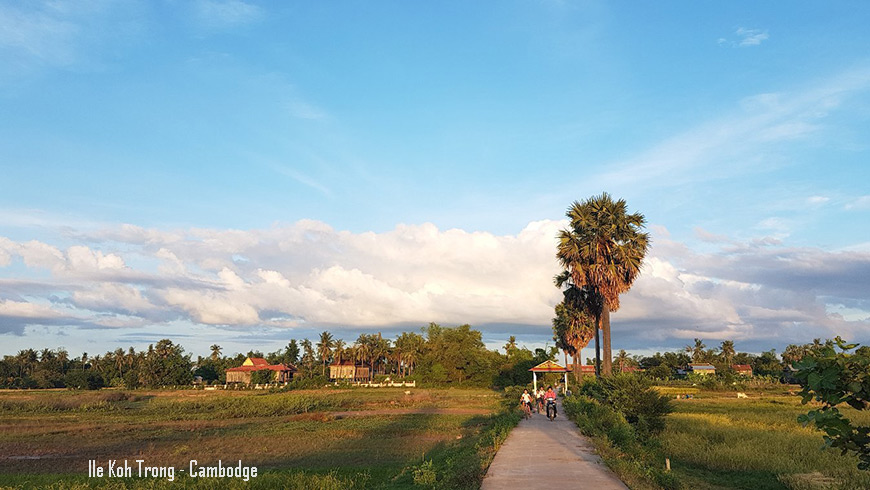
[83, 380]
[634, 397]
[424, 474]
[262, 377]
[659, 372]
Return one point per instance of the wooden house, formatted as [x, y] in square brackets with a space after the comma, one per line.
[242, 374]
[348, 370]
[702, 369]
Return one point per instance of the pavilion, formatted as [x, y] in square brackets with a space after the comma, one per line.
[548, 367]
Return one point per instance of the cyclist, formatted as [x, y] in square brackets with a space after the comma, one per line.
[540, 399]
[526, 402]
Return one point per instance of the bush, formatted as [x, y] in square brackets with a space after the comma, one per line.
[83, 380]
[634, 397]
[659, 372]
[597, 419]
[262, 377]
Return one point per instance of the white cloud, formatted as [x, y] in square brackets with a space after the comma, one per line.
[862, 202]
[817, 200]
[746, 140]
[750, 37]
[226, 13]
[309, 275]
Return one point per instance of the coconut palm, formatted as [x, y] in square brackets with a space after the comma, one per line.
[363, 351]
[697, 351]
[338, 353]
[602, 250]
[728, 352]
[324, 348]
[215, 352]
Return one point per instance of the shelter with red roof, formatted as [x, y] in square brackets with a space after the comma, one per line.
[242, 374]
[548, 367]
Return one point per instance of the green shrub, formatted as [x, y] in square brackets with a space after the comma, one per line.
[83, 380]
[424, 474]
[262, 377]
[634, 397]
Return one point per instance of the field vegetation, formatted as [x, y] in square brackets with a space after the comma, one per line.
[329, 438]
[715, 440]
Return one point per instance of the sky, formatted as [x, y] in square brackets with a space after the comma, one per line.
[244, 173]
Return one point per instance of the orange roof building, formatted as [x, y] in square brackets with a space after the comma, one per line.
[548, 367]
[242, 374]
[742, 369]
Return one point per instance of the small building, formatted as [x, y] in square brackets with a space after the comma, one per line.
[631, 369]
[548, 367]
[348, 369]
[242, 374]
[587, 370]
[702, 369]
[742, 369]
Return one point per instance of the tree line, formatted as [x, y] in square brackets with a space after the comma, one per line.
[437, 354]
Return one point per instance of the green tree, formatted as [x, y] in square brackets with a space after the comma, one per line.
[727, 352]
[215, 352]
[697, 351]
[832, 379]
[602, 251]
[574, 323]
[324, 348]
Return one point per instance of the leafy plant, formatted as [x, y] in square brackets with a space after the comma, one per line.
[834, 378]
[634, 397]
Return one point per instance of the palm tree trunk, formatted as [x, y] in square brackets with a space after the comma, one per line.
[607, 367]
[598, 346]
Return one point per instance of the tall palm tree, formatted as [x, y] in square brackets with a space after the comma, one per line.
[602, 250]
[324, 348]
[697, 351]
[573, 326]
[339, 350]
[728, 352]
[215, 352]
[363, 351]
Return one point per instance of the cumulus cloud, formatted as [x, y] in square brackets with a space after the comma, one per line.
[309, 275]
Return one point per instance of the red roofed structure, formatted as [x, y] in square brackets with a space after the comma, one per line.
[242, 374]
[742, 369]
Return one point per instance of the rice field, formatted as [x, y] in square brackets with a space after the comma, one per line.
[377, 438]
[715, 440]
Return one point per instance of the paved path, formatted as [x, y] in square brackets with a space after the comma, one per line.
[539, 453]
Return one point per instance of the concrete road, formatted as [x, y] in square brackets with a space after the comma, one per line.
[543, 454]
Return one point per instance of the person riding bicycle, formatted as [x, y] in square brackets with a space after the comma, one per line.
[526, 400]
[540, 399]
[550, 397]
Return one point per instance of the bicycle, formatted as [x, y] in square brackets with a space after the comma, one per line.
[527, 410]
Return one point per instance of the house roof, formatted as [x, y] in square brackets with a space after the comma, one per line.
[587, 369]
[548, 367]
[741, 367]
[260, 364]
[702, 367]
[347, 362]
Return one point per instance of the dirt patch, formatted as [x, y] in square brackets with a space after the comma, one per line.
[410, 411]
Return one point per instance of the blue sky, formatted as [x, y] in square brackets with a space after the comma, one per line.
[251, 172]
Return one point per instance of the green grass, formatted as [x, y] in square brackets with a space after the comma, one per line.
[719, 441]
[377, 438]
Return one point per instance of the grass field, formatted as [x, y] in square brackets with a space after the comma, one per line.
[716, 440]
[377, 438]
